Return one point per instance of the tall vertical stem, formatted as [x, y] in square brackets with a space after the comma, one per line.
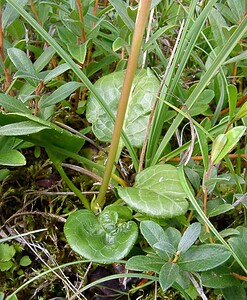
[142, 16]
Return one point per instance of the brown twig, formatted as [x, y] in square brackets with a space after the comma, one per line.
[6, 70]
[80, 11]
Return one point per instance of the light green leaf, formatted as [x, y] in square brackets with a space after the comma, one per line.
[78, 52]
[220, 210]
[44, 59]
[218, 145]
[4, 173]
[157, 192]
[6, 252]
[60, 94]
[233, 97]
[21, 128]
[242, 112]
[236, 58]
[46, 134]
[143, 92]
[100, 239]
[56, 72]
[202, 103]
[10, 14]
[5, 265]
[121, 9]
[168, 275]
[25, 261]
[233, 136]
[203, 257]
[144, 263]
[189, 237]
[12, 104]
[23, 63]
[12, 158]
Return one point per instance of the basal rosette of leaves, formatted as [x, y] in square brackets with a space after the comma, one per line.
[144, 89]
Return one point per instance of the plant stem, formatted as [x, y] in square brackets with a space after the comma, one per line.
[143, 11]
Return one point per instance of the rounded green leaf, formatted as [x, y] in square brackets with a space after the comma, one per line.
[25, 261]
[157, 192]
[144, 89]
[100, 239]
[6, 252]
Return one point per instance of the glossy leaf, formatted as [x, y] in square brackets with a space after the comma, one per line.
[233, 97]
[242, 112]
[218, 146]
[100, 239]
[168, 275]
[157, 192]
[12, 158]
[143, 92]
[78, 52]
[145, 263]
[232, 138]
[203, 257]
[189, 237]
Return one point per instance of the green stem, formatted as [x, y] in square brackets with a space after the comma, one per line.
[70, 184]
[142, 16]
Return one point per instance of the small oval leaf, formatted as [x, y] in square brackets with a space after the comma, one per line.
[189, 237]
[168, 275]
